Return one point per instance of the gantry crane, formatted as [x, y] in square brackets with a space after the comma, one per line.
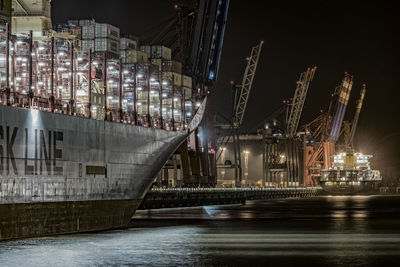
[339, 112]
[349, 127]
[292, 123]
[325, 131]
[240, 98]
[242, 95]
[281, 144]
[195, 34]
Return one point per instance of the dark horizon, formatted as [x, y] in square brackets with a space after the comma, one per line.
[360, 39]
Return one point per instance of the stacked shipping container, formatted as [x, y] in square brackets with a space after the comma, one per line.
[138, 86]
[99, 37]
[129, 51]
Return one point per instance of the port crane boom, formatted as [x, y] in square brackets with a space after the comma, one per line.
[299, 98]
[340, 108]
[245, 87]
[240, 98]
[298, 101]
[327, 132]
[357, 114]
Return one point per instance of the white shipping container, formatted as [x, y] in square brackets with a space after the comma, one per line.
[104, 30]
[87, 44]
[126, 43]
[2, 60]
[188, 92]
[106, 45]
[78, 44]
[187, 81]
[73, 22]
[177, 77]
[131, 56]
[146, 49]
[134, 56]
[77, 31]
[85, 22]
[88, 32]
[122, 55]
[142, 57]
[167, 101]
[172, 66]
[177, 101]
[157, 62]
[159, 51]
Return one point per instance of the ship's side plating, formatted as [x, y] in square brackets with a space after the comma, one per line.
[63, 174]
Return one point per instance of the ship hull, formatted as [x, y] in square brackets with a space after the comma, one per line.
[350, 174]
[362, 189]
[66, 174]
[50, 218]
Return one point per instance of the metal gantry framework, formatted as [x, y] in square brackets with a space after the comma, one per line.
[292, 144]
[282, 146]
[325, 132]
[298, 101]
[240, 96]
[313, 161]
[247, 82]
[195, 35]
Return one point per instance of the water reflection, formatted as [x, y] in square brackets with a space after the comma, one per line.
[349, 207]
[331, 231]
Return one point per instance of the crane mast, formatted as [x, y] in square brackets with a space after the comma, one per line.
[195, 34]
[240, 97]
[247, 82]
[357, 114]
[298, 101]
[343, 95]
[240, 94]
[204, 59]
[340, 107]
[329, 124]
[292, 153]
[209, 29]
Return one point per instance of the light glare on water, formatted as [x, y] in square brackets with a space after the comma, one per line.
[333, 231]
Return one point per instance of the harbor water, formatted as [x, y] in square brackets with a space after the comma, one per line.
[324, 230]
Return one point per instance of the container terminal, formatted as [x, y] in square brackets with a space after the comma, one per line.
[91, 119]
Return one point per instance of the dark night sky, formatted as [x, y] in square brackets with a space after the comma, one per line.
[360, 38]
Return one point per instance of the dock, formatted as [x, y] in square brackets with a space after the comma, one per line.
[158, 198]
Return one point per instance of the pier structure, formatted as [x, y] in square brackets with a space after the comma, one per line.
[158, 198]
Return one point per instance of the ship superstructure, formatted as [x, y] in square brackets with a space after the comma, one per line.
[350, 173]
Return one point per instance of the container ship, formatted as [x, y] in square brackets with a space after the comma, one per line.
[67, 174]
[350, 173]
[89, 116]
[84, 131]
